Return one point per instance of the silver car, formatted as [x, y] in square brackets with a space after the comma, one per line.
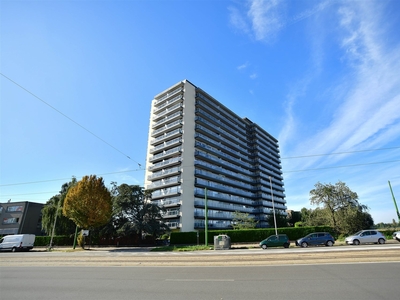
[366, 237]
[396, 235]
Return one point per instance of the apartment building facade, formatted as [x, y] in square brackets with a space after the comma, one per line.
[205, 162]
[21, 217]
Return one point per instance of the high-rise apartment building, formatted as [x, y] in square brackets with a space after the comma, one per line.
[202, 159]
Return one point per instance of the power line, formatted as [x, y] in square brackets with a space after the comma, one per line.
[335, 153]
[49, 180]
[37, 193]
[346, 166]
[293, 171]
[73, 121]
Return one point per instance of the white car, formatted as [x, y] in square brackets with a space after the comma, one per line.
[396, 235]
[366, 237]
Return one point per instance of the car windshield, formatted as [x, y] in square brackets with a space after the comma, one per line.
[358, 233]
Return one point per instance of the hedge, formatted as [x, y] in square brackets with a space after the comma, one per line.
[58, 240]
[245, 236]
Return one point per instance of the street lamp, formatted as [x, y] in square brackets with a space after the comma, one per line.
[273, 205]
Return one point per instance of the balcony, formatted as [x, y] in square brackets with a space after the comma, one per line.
[165, 182]
[238, 173]
[168, 135]
[167, 111]
[222, 187]
[167, 103]
[213, 123]
[219, 178]
[217, 205]
[173, 213]
[173, 225]
[166, 127]
[168, 95]
[167, 119]
[169, 202]
[164, 173]
[213, 225]
[165, 154]
[219, 161]
[165, 163]
[167, 144]
[199, 192]
[171, 191]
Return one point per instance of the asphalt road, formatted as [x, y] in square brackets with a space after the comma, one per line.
[237, 257]
[355, 281]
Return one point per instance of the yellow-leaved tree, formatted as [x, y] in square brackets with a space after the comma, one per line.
[88, 203]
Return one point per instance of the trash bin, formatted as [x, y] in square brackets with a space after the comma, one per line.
[222, 242]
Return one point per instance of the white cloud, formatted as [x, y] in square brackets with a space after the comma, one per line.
[369, 110]
[263, 19]
[253, 76]
[243, 66]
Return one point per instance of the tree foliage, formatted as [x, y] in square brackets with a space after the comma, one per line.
[243, 221]
[88, 203]
[281, 220]
[135, 214]
[53, 206]
[340, 209]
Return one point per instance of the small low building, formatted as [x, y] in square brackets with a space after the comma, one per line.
[21, 217]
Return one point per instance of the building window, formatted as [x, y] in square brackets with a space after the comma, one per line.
[10, 220]
[16, 208]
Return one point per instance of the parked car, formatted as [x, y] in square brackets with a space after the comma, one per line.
[316, 239]
[17, 242]
[366, 237]
[280, 240]
[396, 235]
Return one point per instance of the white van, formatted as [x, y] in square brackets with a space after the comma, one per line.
[17, 242]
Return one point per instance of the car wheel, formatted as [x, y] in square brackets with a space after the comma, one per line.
[304, 245]
[13, 249]
[286, 245]
[356, 242]
[381, 241]
[329, 243]
[264, 247]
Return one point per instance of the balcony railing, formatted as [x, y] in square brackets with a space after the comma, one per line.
[166, 127]
[168, 95]
[165, 154]
[226, 171]
[199, 192]
[165, 163]
[167, 111]
[167, 135]
[175, 190]
[166, 144]
[164, 173]
[166, 103]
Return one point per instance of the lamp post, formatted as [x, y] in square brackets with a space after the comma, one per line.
[273, 205]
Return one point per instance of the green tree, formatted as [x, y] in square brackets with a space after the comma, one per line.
[281, 219]
[88, 203]
[340, 207]
[314, 217]
[243, 221]
[293, 218]
[135, 214]
[53, 206]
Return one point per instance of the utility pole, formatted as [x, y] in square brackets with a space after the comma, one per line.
[273, 205]
[206, 218]
[394, 200]
[54, 225]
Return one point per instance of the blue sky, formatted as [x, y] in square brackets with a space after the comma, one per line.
[323, 77]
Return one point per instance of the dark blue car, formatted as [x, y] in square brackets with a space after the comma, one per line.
[316, 239]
